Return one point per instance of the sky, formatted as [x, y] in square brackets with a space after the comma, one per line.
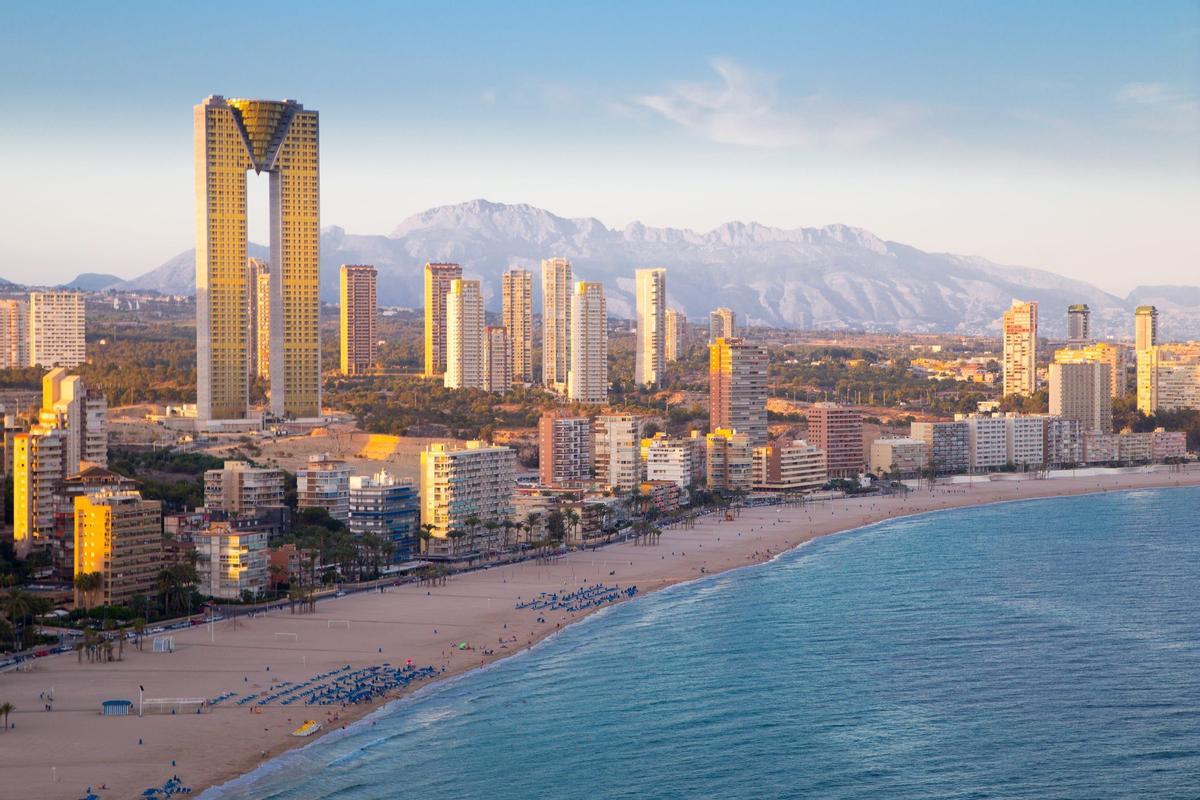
[1064, 136]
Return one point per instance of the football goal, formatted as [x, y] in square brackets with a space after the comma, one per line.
[338, 623]
[293, 637]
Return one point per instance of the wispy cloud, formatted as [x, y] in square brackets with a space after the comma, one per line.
[1161, 107]
[742, 107]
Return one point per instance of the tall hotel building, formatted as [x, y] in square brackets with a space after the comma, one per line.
[497, 359]
[556, 323]
[279, 138]
[258, 314]
[564, 450]
[14, 334]
[1020, 348]
[838, 431]
[1079, 324]
[358, 318]
[721, 322]
[517, 317]
[587, 381]
[464, 335]
[438, 277]
[1082, 391]
[650, 355]
[56, 328]
[618, 452]
[474, 482]
[676, 334]
[1145, 327]
[737, 388]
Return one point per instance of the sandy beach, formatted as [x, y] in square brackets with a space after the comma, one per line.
[59, 753]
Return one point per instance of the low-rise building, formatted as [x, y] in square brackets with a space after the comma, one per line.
[667, 458]
[902, 457]
[795, 466]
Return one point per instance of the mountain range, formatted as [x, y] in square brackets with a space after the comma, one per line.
[834, 277]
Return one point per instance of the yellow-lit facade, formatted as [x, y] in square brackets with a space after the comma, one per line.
[438, 278]
[1110, 355]
[280, 138]
[119, 535]
[358, 319]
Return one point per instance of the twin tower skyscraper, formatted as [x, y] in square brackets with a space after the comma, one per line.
[279, 137]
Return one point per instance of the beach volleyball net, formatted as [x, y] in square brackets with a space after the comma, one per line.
[173, 705]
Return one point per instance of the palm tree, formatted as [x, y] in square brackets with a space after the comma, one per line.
[472, 522]
[139, 630]
[5, 710]
[87, 584]
[492, 526]
[20, 607]
[571, 516]
[531, 522]
[426, 534]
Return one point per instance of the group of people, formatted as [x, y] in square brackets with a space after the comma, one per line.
[579, 600]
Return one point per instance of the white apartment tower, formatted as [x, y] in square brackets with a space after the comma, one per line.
[556, 323]
[650, 355]
[721, 323]
[618, 452]
[14, 334]
[464, 335]
[676, 334]
[587, 381]
[56, 327]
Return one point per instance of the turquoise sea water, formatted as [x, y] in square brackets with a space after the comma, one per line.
[1046, 649]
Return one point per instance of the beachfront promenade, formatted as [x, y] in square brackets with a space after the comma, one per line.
[474, 618]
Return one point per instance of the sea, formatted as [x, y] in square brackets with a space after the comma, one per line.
[1039, 649]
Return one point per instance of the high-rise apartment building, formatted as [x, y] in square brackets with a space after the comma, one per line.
[1082, 391]
[1112, 356]
[730, 460]
[1020, 348]
[497, 359]
[676, 334]
[71, 431]
[474, 482]
[948, 444]
[737, 388]
[14, 334]
[464, 335]
[650, 355]
[239, 488]
[232, 559]
[358, 318]
[517, 317]
[789, 467]
[669, 458]
[838, 431]
[1079, 324]
[1145, 328]
[56, 329]
[279, 138]
[587, 380]
[119, 535]
[258, 329]
[618, 452]
[721, 324]
[324, 483]
[438, 278]
[262, 324]
[557, 287]
[565, 449]
[1168, 377]
[388, 509]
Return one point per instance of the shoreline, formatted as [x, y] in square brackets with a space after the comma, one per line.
[215, 750]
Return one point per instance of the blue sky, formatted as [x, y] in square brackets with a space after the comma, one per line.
[1057, 135]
